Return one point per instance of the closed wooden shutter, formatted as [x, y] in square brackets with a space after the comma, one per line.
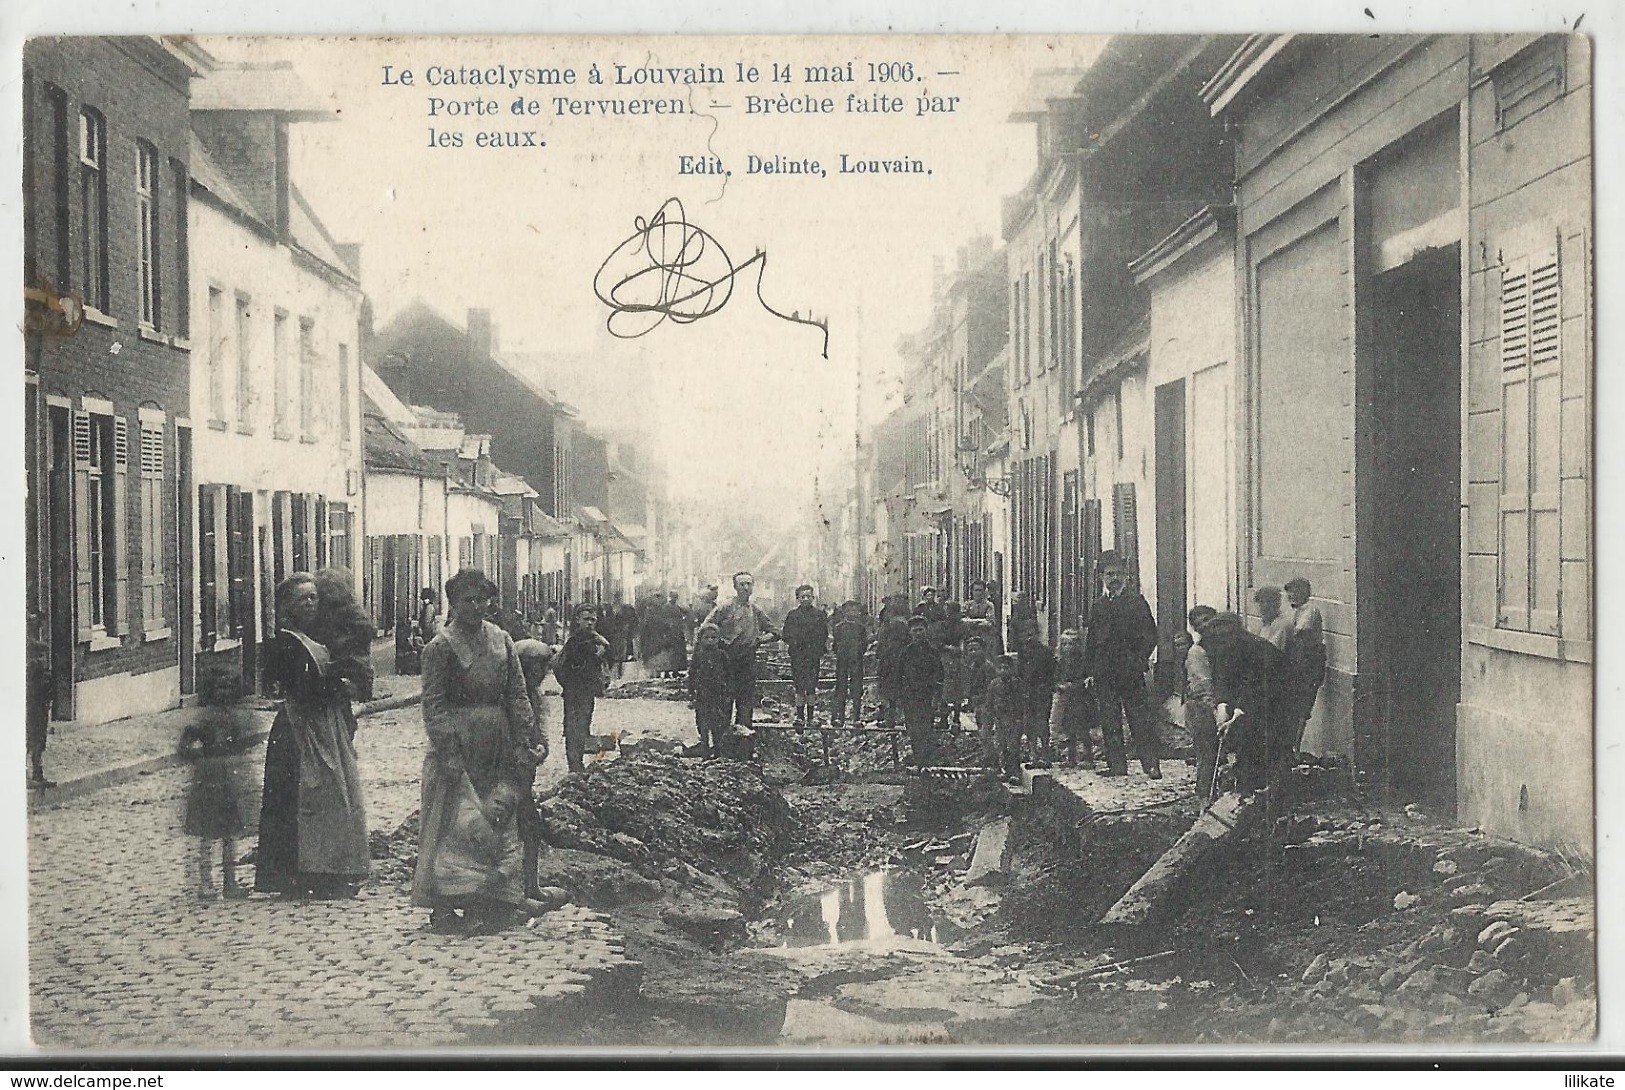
[119, 621]
[1091, 553]
[239, 558]
[301, 532]
[152, 526]
[1126, 528]
[322, 554]
[208, 543]
[84, 610]
[1529, 577]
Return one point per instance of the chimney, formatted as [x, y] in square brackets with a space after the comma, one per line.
[350, 254]
[481, 333]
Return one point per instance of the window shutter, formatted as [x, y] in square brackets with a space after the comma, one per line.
[1513, 581]
[1530, 574]
[322, 553]
[120, 619]
[152, 526]
[207, 544]
[1126, 528]
[239, 511]
[301, 530]
[81, 524]
[1545, 444]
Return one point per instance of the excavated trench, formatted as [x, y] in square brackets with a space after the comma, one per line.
[789, 901]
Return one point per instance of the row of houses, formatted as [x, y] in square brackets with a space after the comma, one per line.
[1279, 306]
[209, 407]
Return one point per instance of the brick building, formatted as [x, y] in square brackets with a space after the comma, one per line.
[107, 166]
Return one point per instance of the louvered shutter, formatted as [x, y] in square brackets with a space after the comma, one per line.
[1126, 528]
[120, 619]
[83, 607]
[206, 545]
[239, 519]
[322, 553]
[1531, 395]
[152, 526]
[1545, 444]
[1513, 579]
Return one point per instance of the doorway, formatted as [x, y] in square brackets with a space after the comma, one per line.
[1411, 597]
[1170, 476]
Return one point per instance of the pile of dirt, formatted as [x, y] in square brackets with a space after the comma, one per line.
[1334, 927]
[667, 816]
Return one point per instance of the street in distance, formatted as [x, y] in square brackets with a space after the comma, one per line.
[776, 165]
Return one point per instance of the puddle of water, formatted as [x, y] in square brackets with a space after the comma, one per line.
[881, 904]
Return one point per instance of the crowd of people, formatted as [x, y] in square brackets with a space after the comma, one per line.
[1246, 695]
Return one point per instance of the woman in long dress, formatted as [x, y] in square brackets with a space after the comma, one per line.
[313, 826]
[481, 756]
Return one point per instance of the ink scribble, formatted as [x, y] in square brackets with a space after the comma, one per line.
[670, 269]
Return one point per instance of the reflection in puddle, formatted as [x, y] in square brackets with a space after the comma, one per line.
[878, 905]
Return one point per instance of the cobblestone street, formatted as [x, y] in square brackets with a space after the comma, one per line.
[124, 954]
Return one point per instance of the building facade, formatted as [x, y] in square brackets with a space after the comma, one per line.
[108, 345]
[276, 377]
[1413, 256]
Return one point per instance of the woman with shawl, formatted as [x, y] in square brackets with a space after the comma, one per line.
[313, 827]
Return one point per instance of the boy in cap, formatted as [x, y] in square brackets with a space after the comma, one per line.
[710, 687]
[1005, 711]
[851, 639]
[582, 669]
[920, 685]
[806, 632]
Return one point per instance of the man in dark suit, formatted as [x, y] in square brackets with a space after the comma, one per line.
[1122, 635]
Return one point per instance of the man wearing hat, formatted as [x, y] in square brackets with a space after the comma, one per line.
[1122, 635]
[742, 628]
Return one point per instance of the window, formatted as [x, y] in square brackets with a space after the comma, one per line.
[146, 203]
[279, 375]
[62, 181]
[1531, 423]
[344, 394]
[101, 463]
[245, 364]
[1117, 404]
[1089, 431]
[183, 286]
[1026, 327]
[93, 207]
[1045, 345]
[152, 522]
[307, 378]
[217, 355]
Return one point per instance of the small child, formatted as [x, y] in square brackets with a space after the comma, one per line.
[1068, 718]
[478, 863]
[535, 659]
[216, 747]
[1037, 668]
[710, 686]
[1006, 710]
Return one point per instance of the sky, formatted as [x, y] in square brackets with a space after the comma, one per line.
[741, 404]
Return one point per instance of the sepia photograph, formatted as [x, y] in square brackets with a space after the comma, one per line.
[579, 543]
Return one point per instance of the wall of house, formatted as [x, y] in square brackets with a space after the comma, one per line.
[1300, 395]
[1193, 339]
[238, 439]
[113, 362]
[1525, 725]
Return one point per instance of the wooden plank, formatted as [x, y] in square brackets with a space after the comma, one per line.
[1163, 888]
